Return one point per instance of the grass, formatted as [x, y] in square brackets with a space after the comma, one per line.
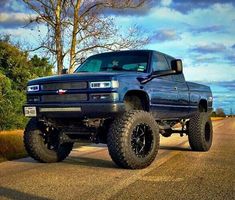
[11, 145]
[217, 118]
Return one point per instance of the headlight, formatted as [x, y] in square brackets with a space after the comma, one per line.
[33, 88]
[104, 84]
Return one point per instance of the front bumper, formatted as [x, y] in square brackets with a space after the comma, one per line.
[81, 110]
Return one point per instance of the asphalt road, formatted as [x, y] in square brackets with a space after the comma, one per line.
[89, 173]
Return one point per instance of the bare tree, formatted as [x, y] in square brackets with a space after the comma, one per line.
[78, 27]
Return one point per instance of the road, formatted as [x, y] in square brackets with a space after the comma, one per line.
[89, 173]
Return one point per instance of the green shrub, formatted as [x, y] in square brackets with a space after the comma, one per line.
[11, 102]
[15, 71]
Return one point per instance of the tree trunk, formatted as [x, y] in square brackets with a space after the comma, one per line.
[97, 31]
[74, 38]
[58, 39]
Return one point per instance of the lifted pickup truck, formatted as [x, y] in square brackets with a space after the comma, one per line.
[124, 99]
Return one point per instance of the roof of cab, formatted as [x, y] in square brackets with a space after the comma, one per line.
[132, 51]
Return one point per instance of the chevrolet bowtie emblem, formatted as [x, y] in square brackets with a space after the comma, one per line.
[61, 91]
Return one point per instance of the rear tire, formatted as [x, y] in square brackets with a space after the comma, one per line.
[44, 146]
[133, 140]
[200, 132]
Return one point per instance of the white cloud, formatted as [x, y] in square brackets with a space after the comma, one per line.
[166, 2]
[209, 48]
[210, 73]
[19, 32]
[15, 19]
[165, 35]
[166, 13]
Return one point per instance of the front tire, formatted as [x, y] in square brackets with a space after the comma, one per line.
[133, 140]
[44, 146]
[200, 132]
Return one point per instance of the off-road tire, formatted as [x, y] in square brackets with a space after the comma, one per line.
[200, 132]
[120, 139]
[34, 145]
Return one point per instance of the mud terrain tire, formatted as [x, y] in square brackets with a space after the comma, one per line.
[133, 140]
[37, 148]
[200, 132]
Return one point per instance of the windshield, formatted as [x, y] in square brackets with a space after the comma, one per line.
[116, 61]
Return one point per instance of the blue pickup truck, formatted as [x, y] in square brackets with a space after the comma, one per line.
[124, 99]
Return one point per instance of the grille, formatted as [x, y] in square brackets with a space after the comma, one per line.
[64, 86]
[64, 98]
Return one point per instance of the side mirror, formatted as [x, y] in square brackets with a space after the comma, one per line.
[177, 66]
[155, 74]
[64, 71]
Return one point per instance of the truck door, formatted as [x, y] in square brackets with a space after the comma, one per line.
[183, 92]
[163, 90]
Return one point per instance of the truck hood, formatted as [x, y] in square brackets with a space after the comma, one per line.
[84, 76]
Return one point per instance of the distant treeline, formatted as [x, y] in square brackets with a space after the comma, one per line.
[219, 112]
[16, 68]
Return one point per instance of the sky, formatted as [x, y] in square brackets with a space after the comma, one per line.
[200, 32]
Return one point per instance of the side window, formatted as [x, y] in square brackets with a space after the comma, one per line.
[159, 62]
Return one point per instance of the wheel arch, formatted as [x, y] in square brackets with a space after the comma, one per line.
[142, 95]
[203, 105]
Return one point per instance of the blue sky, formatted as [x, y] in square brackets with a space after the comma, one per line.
[200, 32]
